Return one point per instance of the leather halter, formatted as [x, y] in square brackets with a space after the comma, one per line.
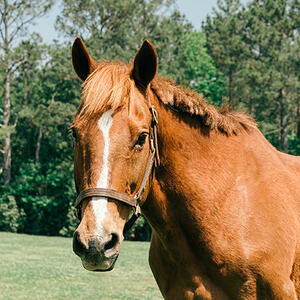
[134, 202]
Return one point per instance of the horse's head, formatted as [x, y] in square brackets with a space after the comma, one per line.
[111, 148]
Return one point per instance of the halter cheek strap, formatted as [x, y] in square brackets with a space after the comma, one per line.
[134, 202]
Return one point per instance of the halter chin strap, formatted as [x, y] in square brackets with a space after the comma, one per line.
[134, 202]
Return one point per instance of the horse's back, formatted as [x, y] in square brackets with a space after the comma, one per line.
[292, 167]
[282, 168]
[289, 166]
[281, 181]
[292, 163]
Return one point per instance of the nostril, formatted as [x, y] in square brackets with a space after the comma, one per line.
[78, 246]
[112, 242]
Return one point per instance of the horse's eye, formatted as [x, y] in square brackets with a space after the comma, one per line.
[141, 140]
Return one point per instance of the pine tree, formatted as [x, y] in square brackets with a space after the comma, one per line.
[224, 40]
[271, 37]
[256, 48]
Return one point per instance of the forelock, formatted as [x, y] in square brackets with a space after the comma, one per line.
[108, 87]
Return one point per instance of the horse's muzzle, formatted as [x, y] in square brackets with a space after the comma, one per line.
[99, 253]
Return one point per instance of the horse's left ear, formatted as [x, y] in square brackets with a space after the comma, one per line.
[145, 64]
[83, 63]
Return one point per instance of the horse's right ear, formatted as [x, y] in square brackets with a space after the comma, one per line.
[83, 63]
[145, 64]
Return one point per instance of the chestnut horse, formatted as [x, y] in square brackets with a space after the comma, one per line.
[223, 204]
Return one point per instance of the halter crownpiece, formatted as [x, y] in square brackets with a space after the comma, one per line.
[134, 202]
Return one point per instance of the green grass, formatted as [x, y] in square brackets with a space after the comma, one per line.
[38, 267]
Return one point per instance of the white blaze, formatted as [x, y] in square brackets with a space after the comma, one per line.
[100, 206]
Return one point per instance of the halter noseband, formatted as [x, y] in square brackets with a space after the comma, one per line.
[134, 202]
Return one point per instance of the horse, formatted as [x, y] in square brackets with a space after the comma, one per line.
[222, 202]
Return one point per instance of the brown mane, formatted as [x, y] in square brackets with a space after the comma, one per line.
[187, 101]
[110, 86]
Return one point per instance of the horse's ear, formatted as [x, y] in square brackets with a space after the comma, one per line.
[83, 63]
[145, 64]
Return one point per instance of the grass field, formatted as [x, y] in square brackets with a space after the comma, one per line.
[38, 267]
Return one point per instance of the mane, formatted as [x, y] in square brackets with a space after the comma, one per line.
[185, 100]
[111, 85]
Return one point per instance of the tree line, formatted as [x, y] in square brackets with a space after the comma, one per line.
[245, 57]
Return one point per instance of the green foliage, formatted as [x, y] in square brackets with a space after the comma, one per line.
[257, 49]
[45, 100]
[201, 73]
[294, 143]
[11, 216]
[71, 222]
[44, 196]
[15, 17]
[224, 39]
[140, 231]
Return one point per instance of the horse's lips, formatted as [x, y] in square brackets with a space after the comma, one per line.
[93, 267]
[110, 268]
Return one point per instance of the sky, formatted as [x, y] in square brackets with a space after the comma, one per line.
[194, 10]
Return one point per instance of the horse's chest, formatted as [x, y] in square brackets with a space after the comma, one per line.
[181, 279]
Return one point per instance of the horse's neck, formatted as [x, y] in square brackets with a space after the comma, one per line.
[192, 176]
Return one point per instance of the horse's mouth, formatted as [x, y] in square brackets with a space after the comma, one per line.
[108, 265]
[110, 268]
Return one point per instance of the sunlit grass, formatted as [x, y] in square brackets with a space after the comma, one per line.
[37, 267]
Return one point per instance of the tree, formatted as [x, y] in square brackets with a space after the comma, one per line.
[256, 48]
[271, 36]
[224, 32]
[15, 16]
[115, 29]
[46, 94]
[200, 72]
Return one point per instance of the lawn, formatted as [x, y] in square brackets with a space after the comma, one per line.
[38, 267]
